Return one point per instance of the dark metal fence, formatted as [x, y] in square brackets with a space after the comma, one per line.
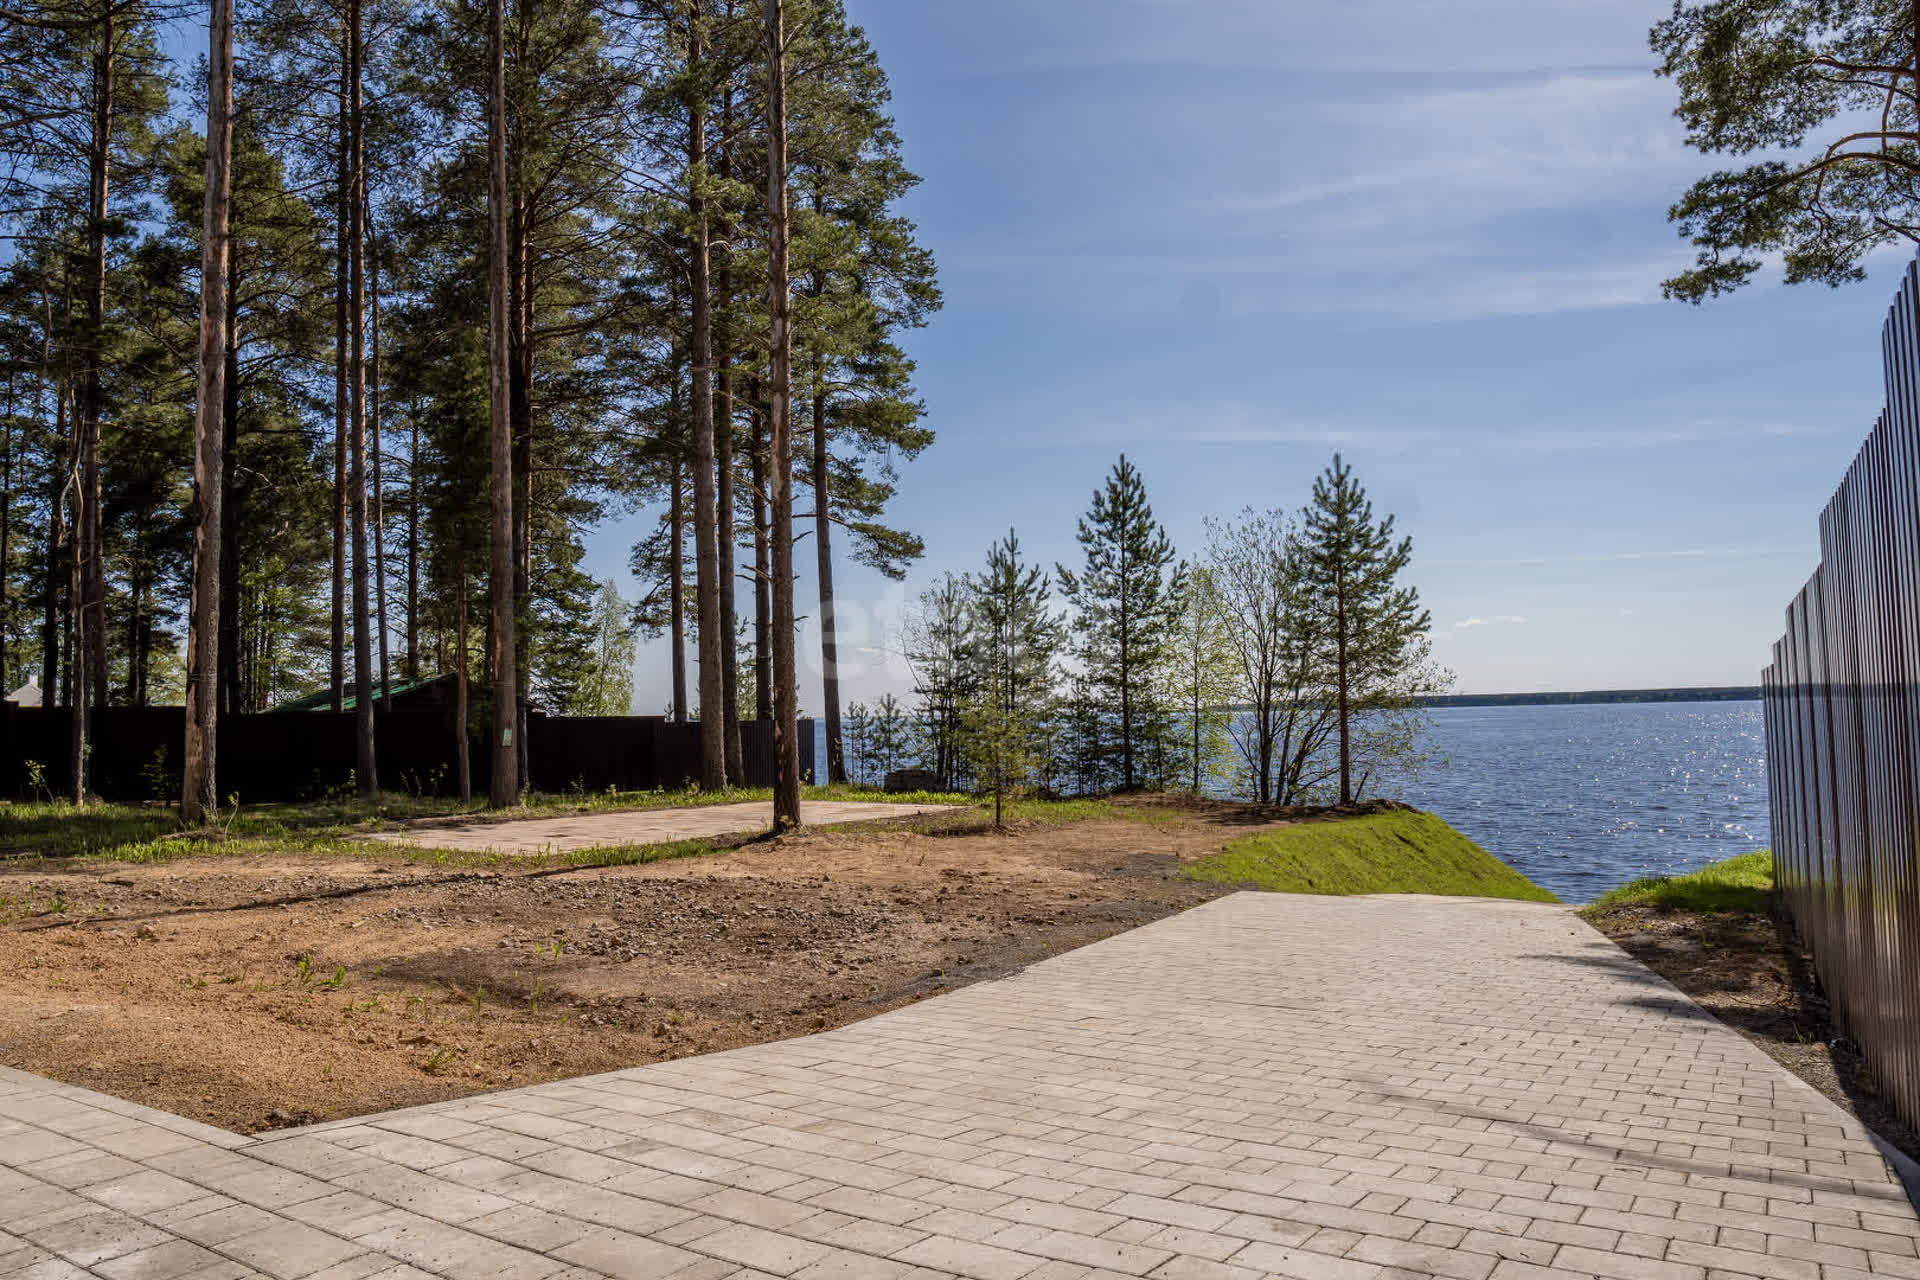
[307, 754]
[1843, 735]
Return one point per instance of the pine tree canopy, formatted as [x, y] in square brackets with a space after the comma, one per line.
[1127, 594]
[1352, 568]
[1836, 83]
[356, 427]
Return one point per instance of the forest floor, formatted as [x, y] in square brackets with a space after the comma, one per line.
[255, 987]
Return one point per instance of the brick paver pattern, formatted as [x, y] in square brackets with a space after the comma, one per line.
[639, 826]
[1266, 1086]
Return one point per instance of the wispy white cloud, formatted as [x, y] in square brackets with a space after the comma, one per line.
[1373, 36]
[1235, 424]
[1456, 198]
[1557, 140]
[1624, 557]
[1497, 620]
[1432, 286]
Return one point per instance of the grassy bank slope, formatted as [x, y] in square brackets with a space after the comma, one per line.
[1740, 883]
[1400, 852]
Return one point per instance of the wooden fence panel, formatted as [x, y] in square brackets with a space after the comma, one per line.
[307, 754]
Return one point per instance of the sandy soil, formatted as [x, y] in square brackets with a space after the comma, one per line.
[1749, 971]
[261, 992]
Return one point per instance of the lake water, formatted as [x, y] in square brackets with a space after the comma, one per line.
[1582, 798]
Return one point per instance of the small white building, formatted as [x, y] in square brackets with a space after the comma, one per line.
[27, 695]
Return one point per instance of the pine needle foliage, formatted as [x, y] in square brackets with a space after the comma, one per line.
[1834, 82]
[1371, 627]
[1127, 597]
[1016, 642]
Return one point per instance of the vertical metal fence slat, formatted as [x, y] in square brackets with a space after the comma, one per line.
[1842, 723]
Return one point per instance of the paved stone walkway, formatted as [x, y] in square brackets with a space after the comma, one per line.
[1346, 1089]
[639, 826]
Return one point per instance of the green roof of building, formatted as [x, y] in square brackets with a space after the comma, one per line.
[323, 700]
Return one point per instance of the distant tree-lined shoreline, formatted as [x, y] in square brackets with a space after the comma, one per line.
[1711, 693]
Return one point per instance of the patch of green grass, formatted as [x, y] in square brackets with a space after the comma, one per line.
[631, 855]
[393, 808]
[32, 833]
[973, 813]
[58, 830]
[1740, 883]
[150, 833]
[1400, 852]
[1056, 812]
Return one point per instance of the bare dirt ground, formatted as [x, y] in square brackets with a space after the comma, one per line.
[258, 992]
[1748, 970]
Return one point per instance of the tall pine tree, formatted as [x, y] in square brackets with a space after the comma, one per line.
[1015, 644]
[1127, 595]
[1371, 625]
[939, 649]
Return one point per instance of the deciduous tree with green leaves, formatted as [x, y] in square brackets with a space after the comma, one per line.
[1256, 564]
[605, 687]
[1200, 673]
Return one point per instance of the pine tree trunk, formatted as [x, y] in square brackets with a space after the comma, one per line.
[199, 789]
[76, 639]
[379, 483]
[337, 654]
[92, 618]
[1340, 679]
[86, 583]
[677, 592]
[413, 543]
[143, 644]
[229, 665]
[363, 730]
[462, 750]
[786, 708]
[823, 558]
[135, 589]
[7, 673]
[504, 782]
[724, 496]
[520, 406]
[50, 587]
[729, 602]
[1126, 684]
[762, 579]
[520, 420]
[706, 520]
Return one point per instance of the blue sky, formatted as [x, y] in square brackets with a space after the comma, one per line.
[1232, 236]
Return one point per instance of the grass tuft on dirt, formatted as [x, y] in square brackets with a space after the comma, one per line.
[1740, 883]
[1397, 852]
[132, 833]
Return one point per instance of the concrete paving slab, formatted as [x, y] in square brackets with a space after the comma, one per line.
[639, 826]
[1315, 1088]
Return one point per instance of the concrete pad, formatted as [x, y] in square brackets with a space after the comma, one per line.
[636, 827]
